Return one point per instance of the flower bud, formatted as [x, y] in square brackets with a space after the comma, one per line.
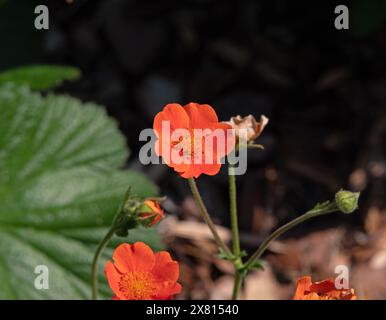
[150, 213]
[252, 129]
[347, 201]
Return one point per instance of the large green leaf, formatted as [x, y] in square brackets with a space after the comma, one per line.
[40, 77]
[60, 186]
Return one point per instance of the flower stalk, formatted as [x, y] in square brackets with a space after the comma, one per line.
[235, 256]
[237, 285]
[115, 226]
[94, 267]
[206, 217]
[345, 201]
[238, 264]
[233, 205]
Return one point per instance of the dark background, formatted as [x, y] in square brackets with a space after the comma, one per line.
[324, 91]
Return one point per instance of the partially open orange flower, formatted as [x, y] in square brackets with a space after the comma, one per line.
[195, 142]
[151, 213]
[323, 290]
[139, 274]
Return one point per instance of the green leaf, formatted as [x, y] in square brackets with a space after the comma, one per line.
[60, 186]
[225, 255]
[257, 264]
[321, 205]
[40, 77]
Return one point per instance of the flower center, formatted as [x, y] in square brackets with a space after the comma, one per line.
[137, 285]
[189, 146]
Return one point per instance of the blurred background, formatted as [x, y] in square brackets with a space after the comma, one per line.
[323, 89]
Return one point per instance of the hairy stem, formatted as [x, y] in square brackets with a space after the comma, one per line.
[233, 203]
[278, 232]
[206, 217]
[237, 286]
[94, 267]
[235, 232]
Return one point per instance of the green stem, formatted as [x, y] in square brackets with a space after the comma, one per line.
[255, 146]
[238, 263]
[235, 232]
[94, 268]
[233, 203]
[206, 217]
[237, 286]
[277, 233]
[102, 245]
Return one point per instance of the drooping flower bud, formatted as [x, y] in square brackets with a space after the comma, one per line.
[252, 129]
[150, 213]
[347, 201]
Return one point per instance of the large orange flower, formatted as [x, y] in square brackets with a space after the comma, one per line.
[187, 149]
[139, 274]
[323, 290]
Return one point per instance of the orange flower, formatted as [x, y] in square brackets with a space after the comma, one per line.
[139, 274]
[187, 149]
[323, 290]
[151, 213]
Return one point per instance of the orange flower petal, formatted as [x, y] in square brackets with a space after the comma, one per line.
[153, 210]
[177, 117]
[166, 290]
[230, 138]
[195, 170]
[174, 113]
[210, 169]
[324, 286]
[311, 296]
[322, 290]
[303, 285]
[201, 115]
[113, 277]
[165, 268]
[134, 257]
[153, 205]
